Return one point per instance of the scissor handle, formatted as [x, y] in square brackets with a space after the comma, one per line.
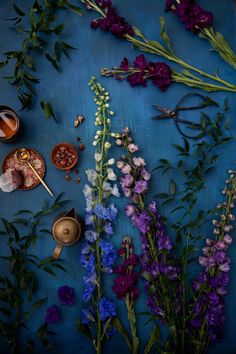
[179, 108]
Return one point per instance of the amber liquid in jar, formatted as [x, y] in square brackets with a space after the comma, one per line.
[9, 124]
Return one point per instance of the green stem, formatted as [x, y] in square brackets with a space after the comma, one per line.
[132, 321]
[160, 50]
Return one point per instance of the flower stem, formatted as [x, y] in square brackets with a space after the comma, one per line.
[155, 48]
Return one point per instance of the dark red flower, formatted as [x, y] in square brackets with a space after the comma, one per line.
[125, 64]
[140, 62]
[161, 74]
[137, 79]
[125, 284]
[112, 22]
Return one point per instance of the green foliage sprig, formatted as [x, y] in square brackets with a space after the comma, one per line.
[196, 162]
[42, 18]
[18, 288]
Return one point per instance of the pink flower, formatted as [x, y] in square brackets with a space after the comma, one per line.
[127, 192]
[132, 148]
[130, 210]
[139, 161]
[220, 245]
[126, 169]
[145, 174]
[228, 239]
[203, 261]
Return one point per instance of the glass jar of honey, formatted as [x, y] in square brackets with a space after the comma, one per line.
[9, 124]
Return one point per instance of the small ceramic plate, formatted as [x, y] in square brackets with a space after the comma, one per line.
[30, 181]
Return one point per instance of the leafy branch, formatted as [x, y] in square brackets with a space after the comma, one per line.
[196, 163]
[19, 286]
[42, 18]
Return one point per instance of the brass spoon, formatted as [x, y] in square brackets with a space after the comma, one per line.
[23, 156]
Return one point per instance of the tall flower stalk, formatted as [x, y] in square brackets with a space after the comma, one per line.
[110, 21]
[159, 268]
[98, 253]
[206, 318]
[125, 285]
[200, 22]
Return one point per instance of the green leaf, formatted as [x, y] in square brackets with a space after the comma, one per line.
[50, 271]
[52, 61]
[147, 276]
[76, 9]
[59, 29]
[121, 329]
[18, 10]
[226, 105]
[154, 337]
[172, 187]
[178, 147]
[161, 195]
[84, 329]
[39, 303]
[48, 110]
[23, 212]
[164, 35]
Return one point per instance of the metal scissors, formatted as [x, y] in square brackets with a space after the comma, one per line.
[174, 114]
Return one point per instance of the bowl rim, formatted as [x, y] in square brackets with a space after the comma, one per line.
[68, 145]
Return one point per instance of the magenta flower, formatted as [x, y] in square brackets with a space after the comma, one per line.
[66, 295]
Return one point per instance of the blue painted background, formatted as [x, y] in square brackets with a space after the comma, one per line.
[69, 93]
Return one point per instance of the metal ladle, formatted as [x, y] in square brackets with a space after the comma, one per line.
[23, 155]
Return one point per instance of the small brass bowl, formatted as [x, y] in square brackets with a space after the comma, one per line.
[70, 159]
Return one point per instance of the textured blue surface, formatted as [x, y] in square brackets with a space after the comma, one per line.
[70, 94]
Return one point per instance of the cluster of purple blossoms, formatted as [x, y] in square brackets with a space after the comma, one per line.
[141, 71]
[111, 21]
[125, 285]
[210, 286]
[66, 295]
[156, 244]
[192, 15]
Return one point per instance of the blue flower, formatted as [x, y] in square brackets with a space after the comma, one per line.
[89, 219]
[108, 228]
[107, 308]
[109, 255]
[86, 316]
[109, 213]
[91, 236]
[86, 256]
[88, 291]
[101, 212]
[112, 211]
[90, 266]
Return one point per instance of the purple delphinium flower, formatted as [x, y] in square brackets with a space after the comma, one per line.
[107, 308]
[155, 260]
[210, 286]
[53, 315]
[66, 295]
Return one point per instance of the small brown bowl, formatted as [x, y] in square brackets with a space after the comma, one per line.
[66, 152]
